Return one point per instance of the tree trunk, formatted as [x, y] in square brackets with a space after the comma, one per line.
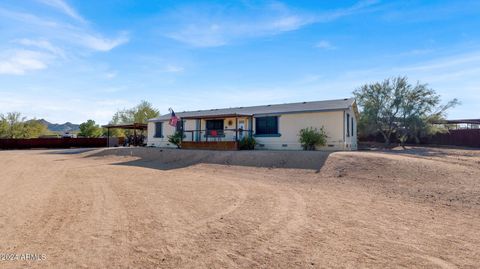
[387, 139]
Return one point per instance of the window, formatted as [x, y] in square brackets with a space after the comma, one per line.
[266, 125]
[352, 128]
[348, 125]
[216, 126]
[158, 129]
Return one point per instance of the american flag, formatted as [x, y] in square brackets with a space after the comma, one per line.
[173, 119]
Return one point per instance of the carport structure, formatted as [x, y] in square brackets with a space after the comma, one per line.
[134, 126]
[464, 123]
[461, 132]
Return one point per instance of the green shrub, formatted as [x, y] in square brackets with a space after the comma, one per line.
[247, 143]
[176, 139]
[311, 137]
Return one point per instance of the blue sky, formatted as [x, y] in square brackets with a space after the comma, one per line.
[73, 60]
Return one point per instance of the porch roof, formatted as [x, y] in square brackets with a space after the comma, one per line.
[234, 115]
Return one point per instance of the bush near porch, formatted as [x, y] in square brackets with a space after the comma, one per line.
[247, 143]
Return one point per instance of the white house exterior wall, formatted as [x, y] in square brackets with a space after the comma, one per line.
[289, 125]
[160, 141]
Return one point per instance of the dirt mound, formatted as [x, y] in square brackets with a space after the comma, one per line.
[173, 158]
[409, 174]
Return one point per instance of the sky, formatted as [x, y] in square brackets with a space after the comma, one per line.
[74, 60]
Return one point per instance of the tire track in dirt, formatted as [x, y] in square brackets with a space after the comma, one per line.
[82, 208]
[286, 219]
[176, 233]
[109, 218]
[126, 221]
[291, 222]
[146, 236]
[43, 220]
[439, 262]
[62, 217]
[241, 193]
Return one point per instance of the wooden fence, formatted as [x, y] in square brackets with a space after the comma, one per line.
[459, 137]
[53, 143]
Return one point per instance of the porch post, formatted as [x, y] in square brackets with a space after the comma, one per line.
[236, 128]
[134, 137]
[181, 131]
[250, 126]
[108, 137]
[200, 130]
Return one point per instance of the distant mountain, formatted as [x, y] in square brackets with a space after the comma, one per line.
[65, 127]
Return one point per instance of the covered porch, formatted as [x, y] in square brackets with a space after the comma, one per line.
[216, 131]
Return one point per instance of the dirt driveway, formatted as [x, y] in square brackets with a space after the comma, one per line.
[413, 208]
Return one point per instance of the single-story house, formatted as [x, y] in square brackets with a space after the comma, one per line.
[272, 126]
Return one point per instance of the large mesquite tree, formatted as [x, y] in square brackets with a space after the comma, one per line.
[399, 109]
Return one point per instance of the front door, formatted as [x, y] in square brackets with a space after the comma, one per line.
[241, 128]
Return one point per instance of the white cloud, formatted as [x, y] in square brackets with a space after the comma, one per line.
[27, 18]
[458, 61]
[112, 102]
[287, 23]
[310, 78]
[111, 75]
[173, 69]
[212, 31]
[63, 32]
[59, 40]
[225, 97]
[323, 44]
[358, 7]
[18, 62]
[113, 89]
[100, 43]
[42, 44]
[65, 8]
[54, 108]
[453, 76]
[214, 26]
[415, 52]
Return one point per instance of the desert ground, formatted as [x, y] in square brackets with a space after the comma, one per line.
[413, 208]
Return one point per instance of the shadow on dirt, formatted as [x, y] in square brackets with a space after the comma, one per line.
[417, 151]
[167, 159]
[71, 151]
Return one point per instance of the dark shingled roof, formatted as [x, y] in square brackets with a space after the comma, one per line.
[315, 106]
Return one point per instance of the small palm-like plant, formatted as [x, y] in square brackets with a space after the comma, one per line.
[176, 139]
[247, 143]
